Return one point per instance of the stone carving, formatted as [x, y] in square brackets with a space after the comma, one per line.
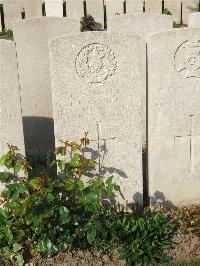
[192, 136]
[187, 59]
[95, 63]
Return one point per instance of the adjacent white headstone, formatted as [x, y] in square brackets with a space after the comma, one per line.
[31, 36]
[189, 6]
[75, 9]
[153, 6]
[54, 8]
[134, 6]
[141, 24]
[174, 6]
[11, 130]
[96, 9]
[33, 8]
[194, 20]
[174, 116]
[113, 8]
[0, 23]
[95, 79]
[12, 12]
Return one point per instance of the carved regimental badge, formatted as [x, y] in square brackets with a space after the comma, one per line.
[187, 59]
[95, 63]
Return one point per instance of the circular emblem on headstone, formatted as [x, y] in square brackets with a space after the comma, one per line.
[187, 59]
[95, 63]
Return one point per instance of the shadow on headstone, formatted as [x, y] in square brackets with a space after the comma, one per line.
[99, 156]
[38, 135]
[159, 199]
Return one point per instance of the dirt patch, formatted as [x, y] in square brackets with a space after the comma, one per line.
[80, 259]
[187, 248]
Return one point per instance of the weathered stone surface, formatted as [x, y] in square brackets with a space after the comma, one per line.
[11, 130]
[174, 117]
[54, 8]
[96, 9]
[114, 8]
[31, 36]
[194, 20]
[95, 80]
[75, 9]
[134, 6]
[153, 6]
[141, 24]
[189, 6]
[174, 6]
[33, 8]
[12, 12]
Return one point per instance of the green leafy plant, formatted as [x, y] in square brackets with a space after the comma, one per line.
[145, 236]
[6, 34]
[49, 214]
[166, 11]
[89, 24]
[72, 210]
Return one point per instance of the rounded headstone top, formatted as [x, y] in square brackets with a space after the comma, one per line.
[194, 20]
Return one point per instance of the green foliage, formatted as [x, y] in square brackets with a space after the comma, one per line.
[72, 210]
[145, 236]
[6, 34]
[89, 24]
[166, 11]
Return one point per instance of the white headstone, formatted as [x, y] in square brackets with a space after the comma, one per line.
[96, 9]
[75, 9]
[11, 130]
[174, 116]
[33, 8]
[113, 8]
[12, 12]
[31, 36]
[54, 8]
[134, 6]
[141, 24]
[194, 20]
[174, 6]
[153, 6]
[189, 6]
[0, 23]
[95, 77]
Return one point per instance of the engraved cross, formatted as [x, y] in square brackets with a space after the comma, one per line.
[191, 137]
[101, 147]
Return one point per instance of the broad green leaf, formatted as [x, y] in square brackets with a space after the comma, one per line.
[63, 246]
[20, 260]
[62, 166]
[64, 215]
[92, 163]
[21, 188]
[17, 247]
[6, 177]
[75, 160]
[36, 183]
[91, 234]
[109, 183]
[46, 244]
[80, 185]
[18, 167]
[69, 185]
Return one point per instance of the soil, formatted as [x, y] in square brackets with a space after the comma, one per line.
[186, 248]
[81, 259]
